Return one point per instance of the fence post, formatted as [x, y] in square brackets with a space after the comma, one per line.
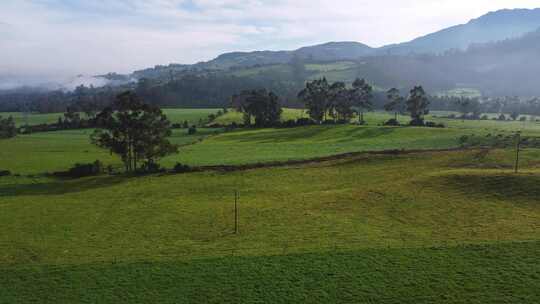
[518, 143]
[236, 212]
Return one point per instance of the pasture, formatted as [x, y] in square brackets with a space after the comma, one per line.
[448, 227]
[424, 227]
[174, 115]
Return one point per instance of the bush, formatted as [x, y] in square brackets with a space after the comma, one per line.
[180, 168]
[289, 124]
[304, 122]
[431, 124]
[192, 130]
[83, 170]
[150, 167]
[502, 117]
[391, 122]
[417, 123]
[523, 118]
[5, 173]
[452, 116]
[484, 117]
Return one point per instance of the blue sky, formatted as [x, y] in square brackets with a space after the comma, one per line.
[47, 38]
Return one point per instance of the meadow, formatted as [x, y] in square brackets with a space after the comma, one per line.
[55, 151]
[445, 227]
[174, 115]
[425, 227]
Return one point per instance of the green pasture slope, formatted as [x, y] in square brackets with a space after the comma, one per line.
[432, 227]
[54, 151]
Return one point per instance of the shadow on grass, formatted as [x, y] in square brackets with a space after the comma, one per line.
[277, 135]
[61, 186]
[488, 274]
[512, 187]
[365, 133]
[342, 132]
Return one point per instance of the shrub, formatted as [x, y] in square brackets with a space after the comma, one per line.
[5, 173]
[329, 122]
[150, 167]
[192, 130]
[83, 170]
[289, 124]
[304, 122]
[502, 117]
[484, 117]
[431, 124]
[523, 118]
[180, 168]
[391, 122]
[417, 123]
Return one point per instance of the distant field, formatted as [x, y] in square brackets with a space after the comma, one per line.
[54, 151]
[57, 151]
[237, 117]
[453, 227]
[32, 118]
[191, 115]
[174, 115]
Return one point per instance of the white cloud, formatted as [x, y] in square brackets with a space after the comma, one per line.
[61, 37]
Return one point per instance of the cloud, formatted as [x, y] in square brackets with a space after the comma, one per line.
[63, 37]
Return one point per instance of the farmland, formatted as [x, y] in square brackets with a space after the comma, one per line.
[422, 227]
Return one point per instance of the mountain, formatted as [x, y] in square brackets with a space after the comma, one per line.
[493, 54]
[332, 51]
[494, 26]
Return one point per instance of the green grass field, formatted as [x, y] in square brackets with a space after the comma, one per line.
[448, 227]
[424, 227]
[174, 115]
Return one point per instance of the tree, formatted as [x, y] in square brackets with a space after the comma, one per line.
[340, 103]
[264, 106]
[315, 96]
[395, 102]
[468, 105]
[417, 105]
[7, 127]
[514, 115]
[72, 118]
[136, 131]
[362, 94]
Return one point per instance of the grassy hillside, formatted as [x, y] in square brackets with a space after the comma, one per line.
[449, 227]
[54, 151]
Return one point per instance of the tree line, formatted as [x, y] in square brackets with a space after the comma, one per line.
[334, 102]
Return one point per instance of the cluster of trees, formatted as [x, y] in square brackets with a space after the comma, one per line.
[336, 100]
[261, 104]
[7, 127]
[135, 131]
[340, 102]
[416, 105]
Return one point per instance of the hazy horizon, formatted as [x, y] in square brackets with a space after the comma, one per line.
[60, 38]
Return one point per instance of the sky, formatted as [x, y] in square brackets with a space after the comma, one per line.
[58, 38]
